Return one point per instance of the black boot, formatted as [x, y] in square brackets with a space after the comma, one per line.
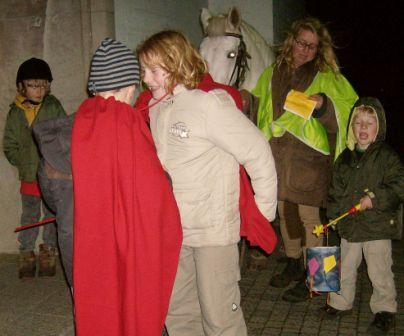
[381, 324]
[298, 293]
[293, 271]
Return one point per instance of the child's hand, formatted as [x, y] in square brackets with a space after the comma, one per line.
[366, 203]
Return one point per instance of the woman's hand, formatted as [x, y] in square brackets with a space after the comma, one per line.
[318, 98]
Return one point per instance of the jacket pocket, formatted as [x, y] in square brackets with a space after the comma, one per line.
[193, 201]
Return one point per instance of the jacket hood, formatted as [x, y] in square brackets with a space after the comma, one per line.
[375, 104]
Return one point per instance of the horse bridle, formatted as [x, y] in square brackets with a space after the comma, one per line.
[241, 65]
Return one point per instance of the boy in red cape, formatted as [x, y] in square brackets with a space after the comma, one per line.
[127, 231]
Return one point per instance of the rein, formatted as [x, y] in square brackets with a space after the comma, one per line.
[241, 65]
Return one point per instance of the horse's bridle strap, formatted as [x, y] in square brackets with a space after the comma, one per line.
[241, 64]
[234, 35]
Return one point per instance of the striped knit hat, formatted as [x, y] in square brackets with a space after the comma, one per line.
[113, 67]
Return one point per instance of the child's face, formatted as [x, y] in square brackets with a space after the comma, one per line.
[36, 89]
[155, 78]
[365, 129]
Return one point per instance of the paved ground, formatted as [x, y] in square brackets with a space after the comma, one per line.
[42, 307]
[268, 315]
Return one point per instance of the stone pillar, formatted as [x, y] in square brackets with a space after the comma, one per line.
[65, 34]
[73, 31]
[102, 21]
[21, 37]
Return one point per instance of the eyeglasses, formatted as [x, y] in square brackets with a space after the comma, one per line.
[303, 45]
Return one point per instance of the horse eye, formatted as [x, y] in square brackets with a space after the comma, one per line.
[231, 54]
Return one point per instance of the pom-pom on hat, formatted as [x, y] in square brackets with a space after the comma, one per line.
[113, 67]
[34, 68]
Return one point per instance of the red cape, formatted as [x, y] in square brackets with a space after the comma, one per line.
[127, 231]
[254, 226]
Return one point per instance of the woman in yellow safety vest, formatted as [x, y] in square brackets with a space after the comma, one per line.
[306, 128]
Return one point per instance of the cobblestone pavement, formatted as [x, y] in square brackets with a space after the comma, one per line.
[42, 306]
[267, 314]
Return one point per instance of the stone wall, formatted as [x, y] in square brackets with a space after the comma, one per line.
[64, 33]
[136, 20]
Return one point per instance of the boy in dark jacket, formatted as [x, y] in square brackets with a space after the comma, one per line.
[32, 104]
[370, 173]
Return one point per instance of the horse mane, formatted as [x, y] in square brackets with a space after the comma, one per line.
[256, 44]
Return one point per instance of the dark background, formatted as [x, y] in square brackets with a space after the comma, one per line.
[369, 45]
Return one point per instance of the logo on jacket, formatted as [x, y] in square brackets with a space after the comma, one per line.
[180, 130]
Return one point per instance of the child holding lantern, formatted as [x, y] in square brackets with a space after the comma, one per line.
[368, 172]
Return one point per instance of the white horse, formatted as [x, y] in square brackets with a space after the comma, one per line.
[235, 52]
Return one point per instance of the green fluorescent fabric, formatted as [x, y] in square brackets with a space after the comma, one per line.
[311, 131]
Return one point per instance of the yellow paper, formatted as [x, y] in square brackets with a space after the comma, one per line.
[329, 263]
[299, 104]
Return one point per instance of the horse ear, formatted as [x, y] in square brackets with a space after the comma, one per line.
[205, 17]
[234, 18]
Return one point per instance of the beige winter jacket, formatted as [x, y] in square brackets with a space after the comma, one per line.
[201, 138]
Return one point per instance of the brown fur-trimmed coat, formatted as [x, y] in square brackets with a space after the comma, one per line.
[304, 174]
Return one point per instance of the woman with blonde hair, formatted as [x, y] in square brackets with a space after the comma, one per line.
[201, 137]
[304, 147]
[325, 57]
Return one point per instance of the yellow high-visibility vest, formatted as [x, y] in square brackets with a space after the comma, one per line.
[310, 131]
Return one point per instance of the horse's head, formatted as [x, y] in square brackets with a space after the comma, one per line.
[227, 47]
[220, 47]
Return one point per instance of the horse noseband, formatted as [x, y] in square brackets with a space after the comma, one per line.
[241, 65]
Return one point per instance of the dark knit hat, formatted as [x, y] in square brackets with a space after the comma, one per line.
[34, 68]
[113, 67]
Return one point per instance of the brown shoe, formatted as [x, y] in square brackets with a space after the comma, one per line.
[329, 312]
[27, 266]
[258, 260]
[47, 260]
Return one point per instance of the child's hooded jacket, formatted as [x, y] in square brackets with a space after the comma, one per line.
[377, 170]
[18, 143]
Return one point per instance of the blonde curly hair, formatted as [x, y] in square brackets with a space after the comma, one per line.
[175, 54]
[325, 57]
